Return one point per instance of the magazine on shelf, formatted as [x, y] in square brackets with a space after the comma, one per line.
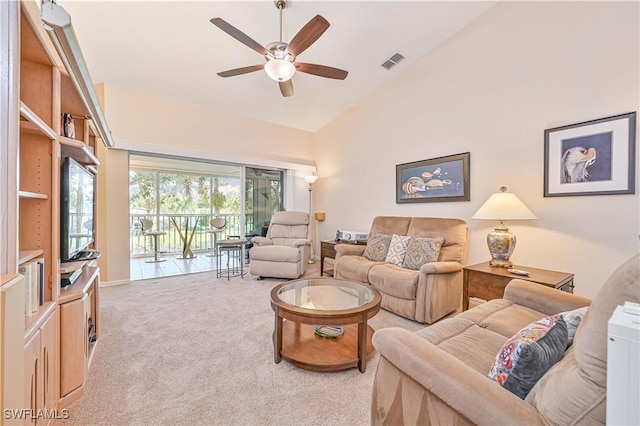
[34, 274]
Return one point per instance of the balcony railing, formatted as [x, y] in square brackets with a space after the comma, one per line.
[171, 243]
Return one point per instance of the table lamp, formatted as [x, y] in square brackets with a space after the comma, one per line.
[502, 206]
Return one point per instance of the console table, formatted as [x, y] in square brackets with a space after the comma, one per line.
[488, 282]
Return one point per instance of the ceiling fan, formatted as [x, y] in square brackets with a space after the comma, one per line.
[280, 56]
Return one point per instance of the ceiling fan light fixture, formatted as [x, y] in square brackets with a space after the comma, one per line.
[280, 69]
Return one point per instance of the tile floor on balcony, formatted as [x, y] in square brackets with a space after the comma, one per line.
[141, 270]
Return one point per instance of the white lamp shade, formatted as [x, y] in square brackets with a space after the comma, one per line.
[504, 206]
[280, 69]
[311, 179]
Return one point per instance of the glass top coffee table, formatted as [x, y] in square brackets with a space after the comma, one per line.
[302, 305]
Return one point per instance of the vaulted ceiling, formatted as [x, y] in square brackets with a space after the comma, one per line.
[171, 49]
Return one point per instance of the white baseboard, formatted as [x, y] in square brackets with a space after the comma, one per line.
[113, 283]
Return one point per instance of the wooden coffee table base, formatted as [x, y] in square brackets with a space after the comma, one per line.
[302, 347]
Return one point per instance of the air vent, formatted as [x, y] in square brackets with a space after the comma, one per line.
[392, 61]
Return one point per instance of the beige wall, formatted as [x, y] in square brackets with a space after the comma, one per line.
[168, 125]
[492, 90]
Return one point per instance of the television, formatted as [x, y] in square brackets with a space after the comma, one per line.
[77, 187]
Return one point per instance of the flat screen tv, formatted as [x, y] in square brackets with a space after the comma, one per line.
[77, 186]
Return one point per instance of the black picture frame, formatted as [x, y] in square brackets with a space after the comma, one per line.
[436, 180]
[595, 157]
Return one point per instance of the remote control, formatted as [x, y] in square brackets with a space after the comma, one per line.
[518, 272]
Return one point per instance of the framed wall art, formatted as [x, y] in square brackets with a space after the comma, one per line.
[595, 157]
[435, 180]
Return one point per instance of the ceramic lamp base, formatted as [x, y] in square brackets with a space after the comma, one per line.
[501, 244]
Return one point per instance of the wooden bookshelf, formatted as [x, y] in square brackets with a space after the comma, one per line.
[38, 343]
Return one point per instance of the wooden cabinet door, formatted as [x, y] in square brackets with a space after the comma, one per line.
[32, 377]
[73, 351]
[48, 361]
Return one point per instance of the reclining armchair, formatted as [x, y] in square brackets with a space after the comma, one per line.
[284, 251]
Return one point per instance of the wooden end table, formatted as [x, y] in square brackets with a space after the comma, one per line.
[301, 305]
[328, 251]
[488, 282]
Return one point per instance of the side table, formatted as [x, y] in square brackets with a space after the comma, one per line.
[488, 282]
[234, 249]
[328, 250]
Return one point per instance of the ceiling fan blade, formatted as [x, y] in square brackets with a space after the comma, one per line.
[308, 35]
[239, 71]
[286, 88]
[322, 70]
[238, 35]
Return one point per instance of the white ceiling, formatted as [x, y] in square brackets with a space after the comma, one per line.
[170, 48]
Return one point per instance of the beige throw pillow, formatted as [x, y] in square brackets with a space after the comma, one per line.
[422, 250]
[397, 249]
[377, 247]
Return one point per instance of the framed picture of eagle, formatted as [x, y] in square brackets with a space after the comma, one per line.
[434, 180]
[594, 157]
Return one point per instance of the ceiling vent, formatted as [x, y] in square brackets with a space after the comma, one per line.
[392, 61]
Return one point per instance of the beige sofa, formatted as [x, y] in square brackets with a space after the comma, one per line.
[423, 295]
[439, 375]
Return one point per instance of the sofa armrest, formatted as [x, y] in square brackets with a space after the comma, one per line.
[301, 243]
[541, 298]
[262, 241]
[349, 250]
[471, 394]
[440, 267]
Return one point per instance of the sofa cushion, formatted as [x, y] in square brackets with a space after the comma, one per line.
[275, 254]
[463, 339]
[501, 316]
[454, 232]
[422, 250]
[354, 268]
[394, 280]
[574, 390]
[390, 225]
[377, 247]
[526, 356]
[397, 249]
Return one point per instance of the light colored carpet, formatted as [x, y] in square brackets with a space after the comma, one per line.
[196, 350]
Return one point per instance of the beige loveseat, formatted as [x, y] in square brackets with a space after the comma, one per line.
[424, 295]
[439, 375]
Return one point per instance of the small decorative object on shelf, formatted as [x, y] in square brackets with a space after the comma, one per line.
[69, 128]
[329, 330]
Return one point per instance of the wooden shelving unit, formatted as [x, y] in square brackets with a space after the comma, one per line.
[45, 352]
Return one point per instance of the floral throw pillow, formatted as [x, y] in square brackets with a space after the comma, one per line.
[526, 356]
[377, 247]
[422, 250]
[397, 249]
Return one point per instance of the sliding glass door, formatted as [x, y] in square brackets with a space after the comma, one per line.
[182, 195]
[264, 197]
